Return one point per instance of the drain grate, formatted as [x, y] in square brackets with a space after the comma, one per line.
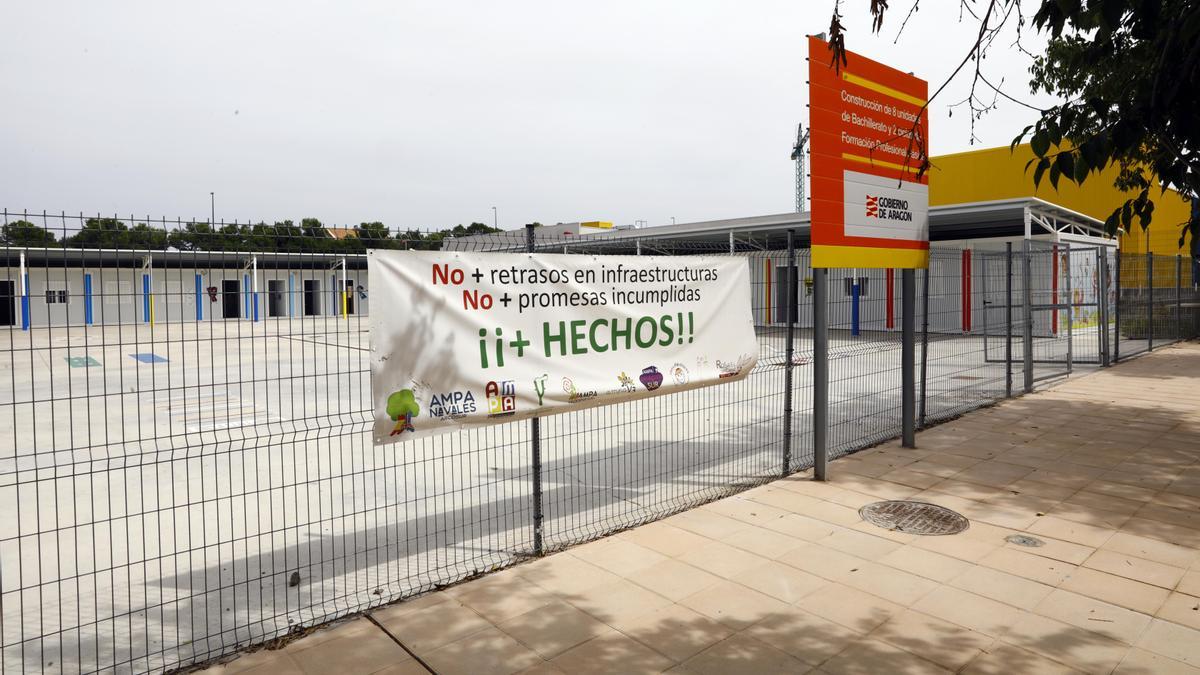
[913, 517]
[1024, 540]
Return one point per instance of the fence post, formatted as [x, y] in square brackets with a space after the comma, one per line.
[924, 344]
[1149, 301]
[1102, 303]
[820, 414]
[792, 297]
[908, 352]
[1027, 293]
[1070, 313]
[535, 435]
[1116, 352]
[1008, 319]
[1178, 298]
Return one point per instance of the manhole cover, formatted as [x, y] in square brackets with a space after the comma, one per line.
[1024, 540]
[913, 517]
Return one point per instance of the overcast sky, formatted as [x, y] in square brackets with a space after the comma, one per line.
[425, 115]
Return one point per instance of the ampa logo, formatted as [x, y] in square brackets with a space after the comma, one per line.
[501, 398]
[872, 207]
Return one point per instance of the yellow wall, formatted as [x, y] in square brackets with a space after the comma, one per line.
[997, 173]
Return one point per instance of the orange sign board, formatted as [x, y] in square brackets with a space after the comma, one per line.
[869, 207]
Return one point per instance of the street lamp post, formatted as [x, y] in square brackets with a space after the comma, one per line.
[495, 219]
[212, 205]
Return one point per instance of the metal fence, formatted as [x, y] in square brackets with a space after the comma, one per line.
[185, 465]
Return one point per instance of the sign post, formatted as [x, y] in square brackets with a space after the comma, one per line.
[870, 196]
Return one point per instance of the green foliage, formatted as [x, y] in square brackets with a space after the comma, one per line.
[111, 233]
[310, 236]
[402, 403]
[1128, 71]
[25, 233]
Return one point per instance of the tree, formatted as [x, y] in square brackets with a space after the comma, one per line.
[98, 233]
[25, 233]
[1127, 72]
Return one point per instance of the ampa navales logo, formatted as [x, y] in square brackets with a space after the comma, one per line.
[452, 405]
[888, 208]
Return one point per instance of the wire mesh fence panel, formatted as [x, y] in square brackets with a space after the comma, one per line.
[1047, 330]
[1134, 303]
[1166, 310]
[864, 359]
[965, 363]
[620, 465]
[1082, 291]
[188, 469]
[185, 407]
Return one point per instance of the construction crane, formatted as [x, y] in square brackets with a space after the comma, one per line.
[798, 156]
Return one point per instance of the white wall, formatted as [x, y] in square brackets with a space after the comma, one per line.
[118, 294]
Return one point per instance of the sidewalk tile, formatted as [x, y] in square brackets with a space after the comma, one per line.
[1005, 659]
[860, 544]
[619, 556]
[356, 647]
[1007, 588]
[611, 652]
[1081, 649]
[742, 654]
[1172, 641]
[676, 631]
[924, 563]
[779, 581]
[1138, 569]
[504, 598]
[432, 627]
[675, 580]
[1097, 616]
[764, 542]
[805, 636]
[1119, 591]
[665, 539]
[875, 656]
[1034, 567]
[1182, 609]
[565, 575]
[1067, 530]
[553, 629]
[933, 639]
[823, 562]
[849, 607]
[706, 523]
[619, 601]
[733, 604]
[722, 559]
[980, 614]
[1152, 549]
[1142, 662]
[488, 652]
[891, 584]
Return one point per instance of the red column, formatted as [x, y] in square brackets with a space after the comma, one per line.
[891, 298]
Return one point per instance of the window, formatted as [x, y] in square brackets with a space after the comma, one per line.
[863, 286]
[57, 296]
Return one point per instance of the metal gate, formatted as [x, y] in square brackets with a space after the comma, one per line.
[1045, 306]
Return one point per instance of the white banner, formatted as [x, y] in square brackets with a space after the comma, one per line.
[463, 339]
